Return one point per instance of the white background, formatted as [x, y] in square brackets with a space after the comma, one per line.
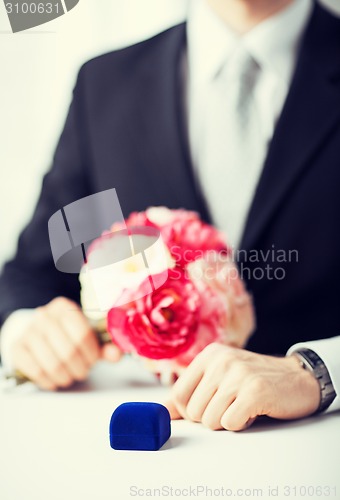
[38, 69]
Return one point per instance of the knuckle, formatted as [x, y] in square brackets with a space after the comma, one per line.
[241, 369]
[258, 384]
[222, 364]
[214, 349]
[70, 355]
[212, 378]
[211, 348]
[225, 362]
[226, 356]
[204, 354]
[40, 314]
[59, 303]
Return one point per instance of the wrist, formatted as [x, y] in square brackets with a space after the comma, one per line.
[307, 385]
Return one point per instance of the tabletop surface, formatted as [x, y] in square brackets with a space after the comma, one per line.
[55, 446]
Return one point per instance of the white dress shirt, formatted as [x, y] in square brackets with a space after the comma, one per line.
[273, 44]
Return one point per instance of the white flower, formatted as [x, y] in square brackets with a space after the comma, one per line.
[107, 273]
[160, 215]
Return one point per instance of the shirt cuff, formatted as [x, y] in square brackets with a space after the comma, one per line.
[12, 329]
[329, 351]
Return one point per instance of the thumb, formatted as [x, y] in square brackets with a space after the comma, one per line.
[110, 352]
[174, 414]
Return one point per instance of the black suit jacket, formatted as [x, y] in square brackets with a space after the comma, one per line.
[125, 129]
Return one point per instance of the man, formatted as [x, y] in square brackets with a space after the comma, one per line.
[236, 116]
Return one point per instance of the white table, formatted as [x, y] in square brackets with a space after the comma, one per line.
[55, 446]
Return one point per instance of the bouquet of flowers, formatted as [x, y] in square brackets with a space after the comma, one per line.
[188, 296]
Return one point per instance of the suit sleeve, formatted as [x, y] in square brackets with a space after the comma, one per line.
[31, 279]
[329, 351]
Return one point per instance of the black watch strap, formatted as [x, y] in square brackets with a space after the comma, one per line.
[312, 362]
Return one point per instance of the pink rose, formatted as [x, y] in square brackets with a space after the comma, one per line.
[139, 219]
[212, 324]
[226, 314]
[221, 276]
[159, 325]
[186, 235]
[213, 321]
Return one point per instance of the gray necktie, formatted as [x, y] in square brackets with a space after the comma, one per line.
[232, 146]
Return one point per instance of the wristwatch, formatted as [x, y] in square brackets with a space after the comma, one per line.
[311, 361]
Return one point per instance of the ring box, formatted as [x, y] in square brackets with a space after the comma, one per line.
[139, 426]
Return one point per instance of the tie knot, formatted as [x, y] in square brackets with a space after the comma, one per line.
[242, 67]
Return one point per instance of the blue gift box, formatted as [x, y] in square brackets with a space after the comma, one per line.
[139, 426]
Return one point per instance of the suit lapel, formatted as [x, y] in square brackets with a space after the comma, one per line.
[311, 110]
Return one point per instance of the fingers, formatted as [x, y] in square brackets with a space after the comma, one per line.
[220, 410]
[58, 347]
[222, 399]
[174, 414]
[201, 398]
[240, 414]
[48, 361]
[27, 364]
[199, 382]
[219, 390]
[76, 328]
[67, 354]
[184, 388]
[227, 388]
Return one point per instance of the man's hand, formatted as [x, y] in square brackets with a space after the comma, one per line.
[226, 387]
[58, 346]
